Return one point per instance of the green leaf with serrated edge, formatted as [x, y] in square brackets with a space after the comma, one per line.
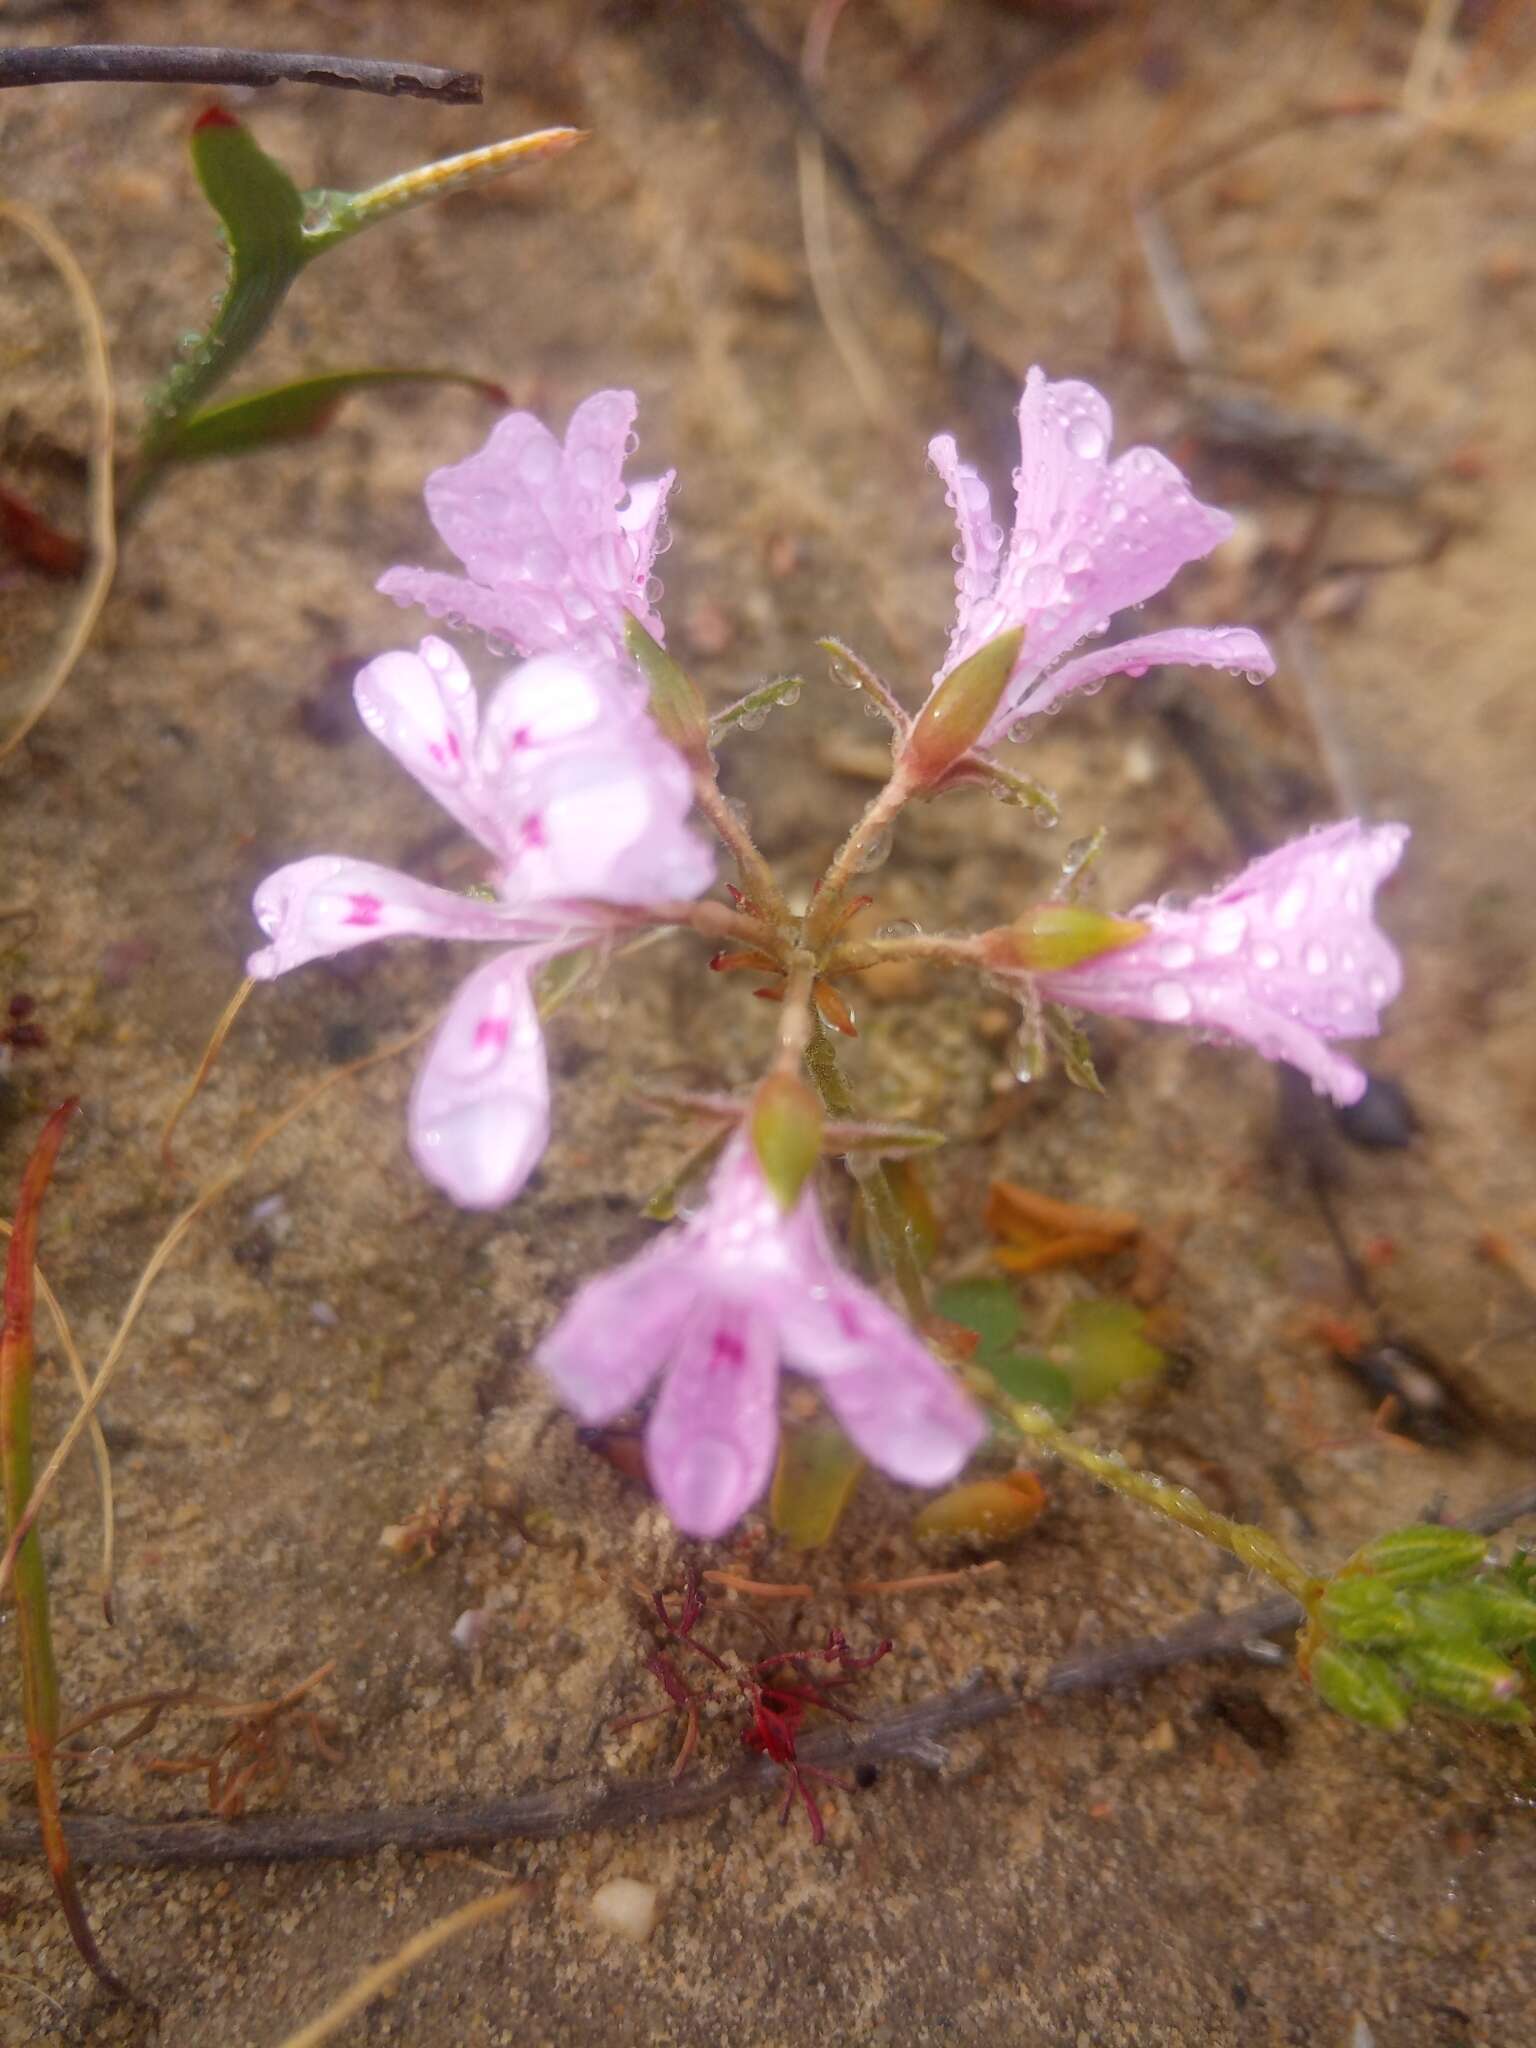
[262, 214]
[813, 1483]
[1103, 1348]
[986, 1306]
[295, 412]
[1025, 1376]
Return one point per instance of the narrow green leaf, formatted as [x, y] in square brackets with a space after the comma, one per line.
[295, 412]
[817, 1471]
[333, 217]
[262, 214]
[749, 712]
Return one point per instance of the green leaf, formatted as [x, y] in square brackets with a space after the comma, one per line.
[817, 1471]
[263, 218]
[1103, 1348]
[1025, 1376]
[676, 704]
[986, 1306]
[1422, 1553]
[334, 217]
[295, 412]
[749, 712]
[1363, 1686]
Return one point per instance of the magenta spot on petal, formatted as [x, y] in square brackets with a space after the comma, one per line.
[491, 1032]
[533, 831]
[729, 1349]
[366, 910]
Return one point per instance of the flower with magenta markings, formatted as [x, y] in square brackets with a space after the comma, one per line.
[1287, 956]
[581, 805]
[556, 546]
[714, 1306]
[1090, 537]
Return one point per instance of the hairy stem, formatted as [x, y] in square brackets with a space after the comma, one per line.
[853, 855]
[1250, 1545]
[861, 953]
[882, 1207]
[756, 875]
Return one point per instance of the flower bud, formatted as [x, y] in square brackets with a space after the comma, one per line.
[1422, 1553]
[1365, 1612]
[959, 710]
[1054, 936]
[786, 1135]
[676, 705]
[1463, 1674]
[1355, 1683]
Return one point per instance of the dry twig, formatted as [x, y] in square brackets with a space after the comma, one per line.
[211, 64]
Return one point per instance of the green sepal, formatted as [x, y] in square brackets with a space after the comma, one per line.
[676, 704]
[1054, 936]
[960, 709]
[785, 1124]
[1361, 1686]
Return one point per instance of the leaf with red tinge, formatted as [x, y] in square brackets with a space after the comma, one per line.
[297, 411]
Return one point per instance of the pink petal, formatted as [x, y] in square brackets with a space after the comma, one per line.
[899, 1405]
[980, 539]
[422, 707]
[711, 1440]
[555, 557]
[608, 824]
[553, 701]
[1286, 957]
[1231, 647]
[479, 1113]
[314, 908]
[619, 1330]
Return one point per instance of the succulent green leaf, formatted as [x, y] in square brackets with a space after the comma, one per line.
[294, 412]
[1365, 1612]
[1103, 1348]
[1355, 1683]
[332, 217]
[1464, 1675]
[1025, 1376]
[1422, 1553]
[986, 1306]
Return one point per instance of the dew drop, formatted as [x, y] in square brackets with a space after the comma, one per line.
[1177, 954]
[1085, 437]
[1171, 1002]
[876, 854]
[1225, 931]
[1315, 958]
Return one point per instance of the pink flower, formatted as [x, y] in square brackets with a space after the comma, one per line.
[1090, 537]
[556, 547]
[580, 802]
[714, 1305]
[1286, 956]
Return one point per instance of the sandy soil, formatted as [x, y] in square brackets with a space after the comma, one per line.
[1209, 1858]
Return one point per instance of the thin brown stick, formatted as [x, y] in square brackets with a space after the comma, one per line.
[583, 1804]
[212, 64]
[100, 490]
[374, 1982]
[759, 1589]
[923, 1582]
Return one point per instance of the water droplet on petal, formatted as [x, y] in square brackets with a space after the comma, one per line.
[1085, 437]
[1171, 1002]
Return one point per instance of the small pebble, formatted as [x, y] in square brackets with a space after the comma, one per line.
[626, 1906]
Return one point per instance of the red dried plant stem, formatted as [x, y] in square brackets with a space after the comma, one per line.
[39, 1672]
